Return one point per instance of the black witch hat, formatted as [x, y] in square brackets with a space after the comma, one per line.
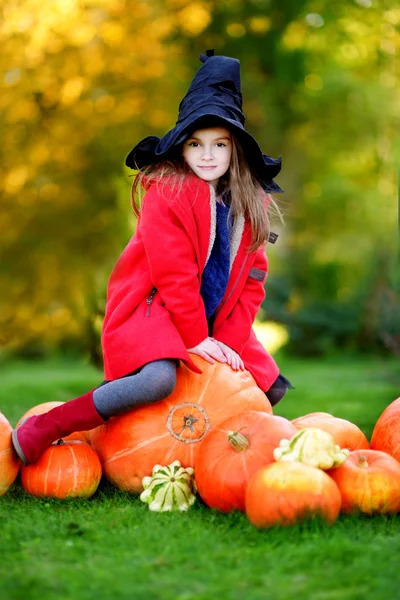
[213, 98]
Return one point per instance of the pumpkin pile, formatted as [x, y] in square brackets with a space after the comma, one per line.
[215, 435]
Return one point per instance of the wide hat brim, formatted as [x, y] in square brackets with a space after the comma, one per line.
[153, 149]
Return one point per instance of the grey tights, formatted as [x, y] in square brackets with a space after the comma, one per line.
[153, 382]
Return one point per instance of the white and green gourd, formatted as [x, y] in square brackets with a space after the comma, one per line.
[312, 446]
[169, 488]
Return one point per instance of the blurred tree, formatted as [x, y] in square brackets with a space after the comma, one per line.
[86, 80]
[82, 84]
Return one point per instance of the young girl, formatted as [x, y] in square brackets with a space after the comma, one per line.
[191, 280]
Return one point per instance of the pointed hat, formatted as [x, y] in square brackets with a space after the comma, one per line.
[213, 98]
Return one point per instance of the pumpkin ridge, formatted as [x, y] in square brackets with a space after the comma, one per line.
[394, 452]
[244, 465]
[47, 471]
[256, 452]
[75, 467]
[128, 451]
[171, 450]
[59, 478]
[5, 451]
[205, 388]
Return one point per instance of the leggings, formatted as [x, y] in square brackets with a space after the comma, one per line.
[150, 383]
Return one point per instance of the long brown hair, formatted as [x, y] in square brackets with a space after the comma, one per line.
[239, 186]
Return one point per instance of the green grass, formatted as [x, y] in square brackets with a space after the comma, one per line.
[111, 546]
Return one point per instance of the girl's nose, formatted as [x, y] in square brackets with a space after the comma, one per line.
[207, 153]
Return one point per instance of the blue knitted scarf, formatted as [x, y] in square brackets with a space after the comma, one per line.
[216, 273]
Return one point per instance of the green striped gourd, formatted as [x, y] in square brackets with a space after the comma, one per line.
[313, 447]
[169, 488]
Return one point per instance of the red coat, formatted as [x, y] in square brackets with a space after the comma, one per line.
[168, 252]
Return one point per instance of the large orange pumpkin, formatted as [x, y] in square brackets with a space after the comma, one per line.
[40, 409]
[232, 452]
[344, 433]
[386, 434]
[284, 493]
[131, 444]
[69, 469]
[9, 463]
[369, 481]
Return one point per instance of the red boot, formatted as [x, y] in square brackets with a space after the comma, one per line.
[35, 434]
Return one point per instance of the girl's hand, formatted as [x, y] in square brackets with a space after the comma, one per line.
[209, 349]
[232, 358]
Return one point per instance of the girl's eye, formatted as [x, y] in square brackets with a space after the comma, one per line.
[196, 144]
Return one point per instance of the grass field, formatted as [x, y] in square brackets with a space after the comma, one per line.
[111, 546]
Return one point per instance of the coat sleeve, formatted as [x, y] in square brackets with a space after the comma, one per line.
[235, 330]
[174, 270]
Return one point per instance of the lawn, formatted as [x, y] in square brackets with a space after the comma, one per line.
[111, 546]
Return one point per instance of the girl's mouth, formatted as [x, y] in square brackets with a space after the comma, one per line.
[207, 168]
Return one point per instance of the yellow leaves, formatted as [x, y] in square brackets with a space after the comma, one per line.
[194, 18]
[15, 179]
[66, 7]
[39, 153]
[260, 24]
[112, 33]
[104, 103]
[71, 90]
[313, 82]
[295, 35]
[12, 77]
[81, 34]
[49, 191]
[159, 119]
[392, 16]
[163, 26]
[22, 110]
[236, 30]
[93, 60]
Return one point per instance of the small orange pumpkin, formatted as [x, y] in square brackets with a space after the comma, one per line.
[69, 469]
[9, 463]
[40, 409]
[131, 444]
[386, 434]
[369, 481]
[284, 493]
[232, 452]
[345, 434]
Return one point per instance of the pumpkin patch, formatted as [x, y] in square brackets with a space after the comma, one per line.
[215, 435]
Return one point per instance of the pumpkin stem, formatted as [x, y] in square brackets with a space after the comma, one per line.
[60, 442]
[362, 462]
[238, 441]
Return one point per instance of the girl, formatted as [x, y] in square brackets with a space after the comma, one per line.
[191, 280]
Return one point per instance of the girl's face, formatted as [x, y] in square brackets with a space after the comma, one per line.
[208, 153]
